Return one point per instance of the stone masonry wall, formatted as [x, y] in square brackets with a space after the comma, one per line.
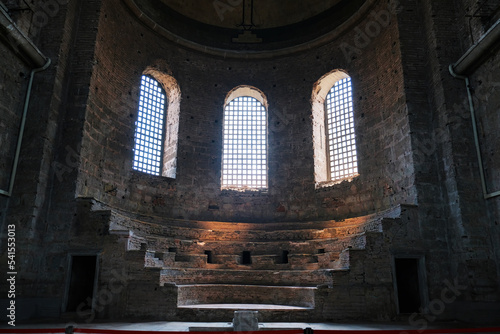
[41, 203]
[447, 164]
[485, 234]
[13, 85]
[125, 49]
[414, 144]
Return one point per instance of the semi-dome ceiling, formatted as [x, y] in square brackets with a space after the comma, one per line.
[249, 28]
[266, 13]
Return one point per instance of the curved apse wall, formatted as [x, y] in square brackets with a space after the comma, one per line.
[271, 29]
[385, 176]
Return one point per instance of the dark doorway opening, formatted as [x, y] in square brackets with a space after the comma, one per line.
[81, 285]
[408, 285]
[246, 258]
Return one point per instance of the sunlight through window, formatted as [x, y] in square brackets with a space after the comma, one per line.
[341, 136]
[149, 127]
[244, 158]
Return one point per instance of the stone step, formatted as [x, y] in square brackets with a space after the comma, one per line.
[242, 275]
[230, 296]
[236, 307]
[268, 261]
[222, 248]
[207, 231]
[220, 313]
[256, 249]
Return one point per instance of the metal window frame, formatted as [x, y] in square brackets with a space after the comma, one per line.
[328, 137]
[264, 128]
[163, 130]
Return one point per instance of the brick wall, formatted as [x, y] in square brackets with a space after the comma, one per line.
[486, 99]
[414, 145]
[13, 86]
[204, 82]
[450, 202]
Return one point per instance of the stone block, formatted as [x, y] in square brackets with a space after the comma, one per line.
[246, 321]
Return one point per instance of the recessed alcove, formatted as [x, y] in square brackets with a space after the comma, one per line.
[246, 258]
[209, 256]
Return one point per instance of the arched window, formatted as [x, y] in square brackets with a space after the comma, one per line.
[343, 160]
[244, 154]
[334, 138]
[157, 124]
[149, 127]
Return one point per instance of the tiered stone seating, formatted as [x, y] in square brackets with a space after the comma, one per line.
[198, 294]
[284, 265]
[182, 268]
[309, 278]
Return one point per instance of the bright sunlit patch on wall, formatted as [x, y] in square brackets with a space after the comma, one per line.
[244, 158]
[149, 127]
[341, 136]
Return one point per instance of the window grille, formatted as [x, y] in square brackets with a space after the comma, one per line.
[244, 158]
[149, 127]
[341, 136]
